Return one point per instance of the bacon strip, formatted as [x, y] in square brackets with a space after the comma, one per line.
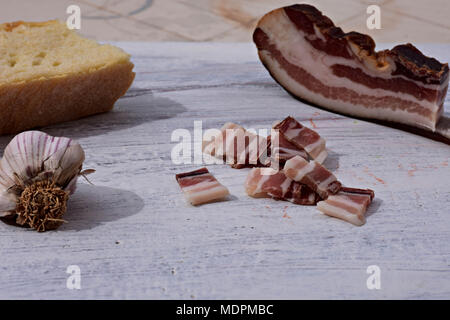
[303, 138]
[313, 174]
[349, 204]
[200, 186]
[266, 182]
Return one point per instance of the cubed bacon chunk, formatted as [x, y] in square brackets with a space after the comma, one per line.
[283, 150]
[303, 138]
[267, 182]
[200, 186]
[238, 147]
[216, 144]
[314, 175]
[348, 204]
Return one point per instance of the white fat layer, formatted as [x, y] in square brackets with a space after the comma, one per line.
[293, 152]
[289, 40]
[285, 185]
[200, 186]
[346, 201]
[294, 172]
[262, 180]
[316, 147]
[332, 211]
[325, 183]
[321, 157]
[292, 133]
[318, 34]
[208, 195]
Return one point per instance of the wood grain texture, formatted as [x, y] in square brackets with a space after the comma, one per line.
[134, 236]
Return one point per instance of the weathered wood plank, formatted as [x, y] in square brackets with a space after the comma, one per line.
[134, 236]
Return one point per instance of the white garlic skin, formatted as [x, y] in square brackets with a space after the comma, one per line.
[34, 156]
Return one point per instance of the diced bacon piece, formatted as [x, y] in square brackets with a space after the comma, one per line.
[267, 182]
[217, 141]
[200, 186]
[348, 204]
[251, 150]
[303, 138]
[238, 147]
[261, 180]
[318, 62]
[284, 150]
[313, 174]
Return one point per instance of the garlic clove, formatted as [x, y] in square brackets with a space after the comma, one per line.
[71, 186]
[5, 179]
[24, 155]
[65, 164]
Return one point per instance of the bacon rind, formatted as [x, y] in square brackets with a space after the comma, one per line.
[197, 172]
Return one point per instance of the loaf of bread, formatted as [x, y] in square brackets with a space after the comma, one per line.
[50, 74]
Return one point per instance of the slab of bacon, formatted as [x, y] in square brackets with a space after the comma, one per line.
[313, 174]
[348, 204]
[200, 186]
[238, 147]
[303, 138]
[316, 61]
[267, 182]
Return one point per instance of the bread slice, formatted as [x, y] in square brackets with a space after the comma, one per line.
[50, 74]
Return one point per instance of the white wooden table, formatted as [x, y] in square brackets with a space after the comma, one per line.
[133, 235]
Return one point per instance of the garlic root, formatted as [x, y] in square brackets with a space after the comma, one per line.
[42, 205]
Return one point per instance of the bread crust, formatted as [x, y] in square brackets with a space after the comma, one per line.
[10, 26]
[46, 101]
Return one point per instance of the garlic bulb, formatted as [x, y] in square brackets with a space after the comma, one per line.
[38, 172]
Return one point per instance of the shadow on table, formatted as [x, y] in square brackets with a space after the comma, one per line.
[127, 113]
[92, 206]
[332, 161]
[374, 206]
